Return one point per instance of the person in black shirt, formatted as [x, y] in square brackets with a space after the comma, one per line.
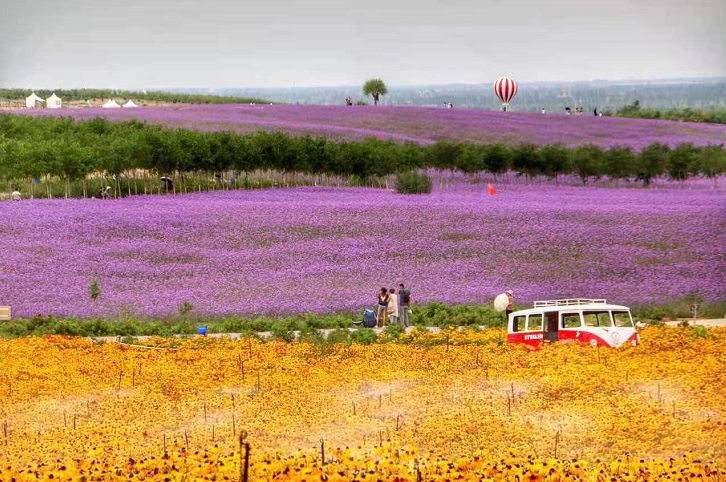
[404, 302]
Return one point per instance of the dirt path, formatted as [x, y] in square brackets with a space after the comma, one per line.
[708, 323]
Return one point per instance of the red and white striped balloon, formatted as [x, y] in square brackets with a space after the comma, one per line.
[506, 88]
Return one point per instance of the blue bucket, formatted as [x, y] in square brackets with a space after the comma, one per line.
[202, 330]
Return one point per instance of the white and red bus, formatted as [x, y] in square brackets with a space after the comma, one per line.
[592, 321]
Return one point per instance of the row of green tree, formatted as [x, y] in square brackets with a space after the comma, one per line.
[33, 147]
[635, 111]
[156, 96]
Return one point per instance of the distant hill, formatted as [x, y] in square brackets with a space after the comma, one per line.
[554, 97]
[69, 95]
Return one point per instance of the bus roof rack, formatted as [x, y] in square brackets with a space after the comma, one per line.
[569, 302]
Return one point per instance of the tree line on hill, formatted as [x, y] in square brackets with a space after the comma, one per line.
[155, 96]
[71, 151]
[636, 111]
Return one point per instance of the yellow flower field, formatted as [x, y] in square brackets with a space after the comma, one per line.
[452, 406]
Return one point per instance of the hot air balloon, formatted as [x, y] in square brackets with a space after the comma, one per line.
[505, 88]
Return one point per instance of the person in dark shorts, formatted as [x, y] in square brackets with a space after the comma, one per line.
[510, 306]
[382, 308]
[404, 302]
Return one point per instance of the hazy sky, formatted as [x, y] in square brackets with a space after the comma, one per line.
[275, 43]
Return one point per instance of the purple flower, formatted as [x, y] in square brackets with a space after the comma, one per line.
[417, 124]
[328, 250]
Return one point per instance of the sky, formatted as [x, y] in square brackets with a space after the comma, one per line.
[136, 44]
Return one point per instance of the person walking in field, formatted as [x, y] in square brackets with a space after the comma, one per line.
[393, 306]
[404, 301]
[510, 306]
[105, 193]
[382, 310]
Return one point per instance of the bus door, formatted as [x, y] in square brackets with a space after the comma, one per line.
[551, 330]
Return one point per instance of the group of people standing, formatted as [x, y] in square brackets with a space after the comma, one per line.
[578, 111]
[394, 307]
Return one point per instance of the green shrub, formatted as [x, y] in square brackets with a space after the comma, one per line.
[413, 182]
[713, 310]
[93, 289]
[311, 335]
[653, 312]
[339, 335]
[363, 336]
[394, 331]
[185, 308]
[700, 332]
[280, 332]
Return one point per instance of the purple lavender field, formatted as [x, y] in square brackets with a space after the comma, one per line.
[416, 124]
[329, 250]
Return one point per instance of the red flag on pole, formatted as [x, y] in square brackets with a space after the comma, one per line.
[491, 190]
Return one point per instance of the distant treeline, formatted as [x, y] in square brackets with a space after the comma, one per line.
[69, 150]
[86, 94]
[635, 111]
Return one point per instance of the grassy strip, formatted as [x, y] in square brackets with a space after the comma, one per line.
[430, 314]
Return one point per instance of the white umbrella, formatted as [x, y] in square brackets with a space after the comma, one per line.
[501, 302]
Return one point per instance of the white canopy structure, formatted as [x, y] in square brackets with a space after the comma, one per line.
[33, 101]
[111, 104]
[130, 103]
[54, 102]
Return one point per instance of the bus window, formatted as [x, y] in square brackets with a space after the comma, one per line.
[571, 320]
[597, 319]
[518, 324]
[622, 319]
[535, 322]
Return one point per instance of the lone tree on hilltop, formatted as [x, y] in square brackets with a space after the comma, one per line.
[375, 88]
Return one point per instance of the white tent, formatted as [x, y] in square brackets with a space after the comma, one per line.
[111, 104]
[54, 102]
[33, 101]
[130, 103]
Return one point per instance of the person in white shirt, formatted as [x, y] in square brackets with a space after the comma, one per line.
[393, 306]
[15, 195]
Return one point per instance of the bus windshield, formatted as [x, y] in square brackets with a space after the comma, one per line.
[622, 319]
[597, 319]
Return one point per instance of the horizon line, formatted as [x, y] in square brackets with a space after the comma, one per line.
[340, 86]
